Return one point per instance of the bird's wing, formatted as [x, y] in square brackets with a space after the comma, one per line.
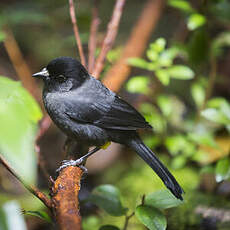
[117, 115]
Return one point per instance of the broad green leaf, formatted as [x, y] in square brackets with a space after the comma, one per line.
[13, 217]
[138, 84]
[162, 199]
[108, 227]
[198, 94]
[163, 76]
[19, 114]
[40, 214]
[141, 63]
[151, 217]
[195, 21]
[223, 169]
[107, 197]
[215, 115]
[180, 72]
[182, 5]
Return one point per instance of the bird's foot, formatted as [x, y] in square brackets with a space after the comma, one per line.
[78, 163]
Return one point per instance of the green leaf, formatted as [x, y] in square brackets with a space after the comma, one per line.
[203, 138]
[158, 46]
[40, 214]
[179, 144]
[19, 114]
[215, 115]
[12, 217]
[198, 94]
[223, 40]
[179, 162]
[141, 63]
[163, 76]
[165, 104]
[151, 217]
[138, 84]
[107, 197]
[182, 5]
[162, 199]
[180, 72]
[223, 169]
[195, 21]
[2, 36]
[108, 227]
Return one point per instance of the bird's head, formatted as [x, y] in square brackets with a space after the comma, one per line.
[62, 74]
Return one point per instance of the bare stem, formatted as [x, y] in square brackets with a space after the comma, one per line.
[136, 44]
[35, 191]
[76, 32]
[127, 218]
[212, 78]
[109, 37]
[93, 36]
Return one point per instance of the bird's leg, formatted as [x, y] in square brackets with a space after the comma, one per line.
[79, 162]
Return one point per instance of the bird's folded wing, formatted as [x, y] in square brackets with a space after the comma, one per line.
[115, 115]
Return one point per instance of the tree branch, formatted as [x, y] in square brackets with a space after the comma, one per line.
[136, 44]
[20, 64]
[76, 32]
[93, 36]
[35, 191]
[109, 37]
[65, 198]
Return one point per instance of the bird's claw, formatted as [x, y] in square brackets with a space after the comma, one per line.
[66, 163]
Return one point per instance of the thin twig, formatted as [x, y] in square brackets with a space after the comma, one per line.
[109, 37]
[44, 126]
[41, 162]
[35, 191]
[93, 36]
[76, 32]
[127, 218]
[136, 44]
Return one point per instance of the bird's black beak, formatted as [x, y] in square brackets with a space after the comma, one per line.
[42, 74]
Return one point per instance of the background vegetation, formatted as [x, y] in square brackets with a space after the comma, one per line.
[180, 84]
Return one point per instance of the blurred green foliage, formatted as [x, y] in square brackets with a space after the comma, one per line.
[178, 78]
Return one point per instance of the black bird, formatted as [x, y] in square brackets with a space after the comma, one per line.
[85, 110]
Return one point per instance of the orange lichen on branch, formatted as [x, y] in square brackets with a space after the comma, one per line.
[135, 45]
[65, 198]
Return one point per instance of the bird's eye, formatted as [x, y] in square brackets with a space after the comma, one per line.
[61, 78]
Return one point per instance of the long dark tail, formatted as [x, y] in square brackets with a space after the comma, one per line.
[150, 158]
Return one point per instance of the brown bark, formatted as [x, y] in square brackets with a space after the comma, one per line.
[109, 37]
[76, 32]
[135, 45]
[65, 198]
